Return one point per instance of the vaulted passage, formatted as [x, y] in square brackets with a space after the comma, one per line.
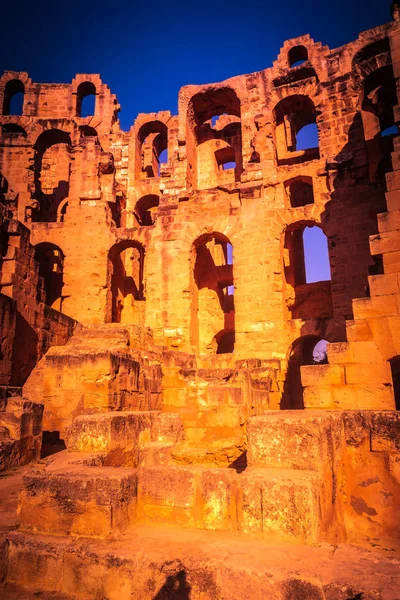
[308, 289]
[126, 301]
[14, 98]
[213, 308]
[214, 138]
[152, 145]
[296, 132]
[86, 99]
[52, 174]
[51, 269]
[307, 350]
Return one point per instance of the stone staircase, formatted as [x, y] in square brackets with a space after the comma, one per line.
[359, 374]
[101, 368]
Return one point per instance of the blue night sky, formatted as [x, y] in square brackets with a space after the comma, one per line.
[146, 51]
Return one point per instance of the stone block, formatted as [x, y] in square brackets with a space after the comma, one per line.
[340, 353]
[166, 494]
[379, 306]
[290, 439]
[383, 285]
[358, 331]
[384, 242]
[385, 432]
[320, 375]
[78, 501]
[366, 352]
[167, 427]
[284, 502]
[319, 397]
[373, 373]
[116, 434]
[218, 499]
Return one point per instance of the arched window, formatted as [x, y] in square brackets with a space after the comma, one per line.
[87, 131]
[13, 97]
[52, 172]
[307, 350]
[379, 100]
[316, 255]
[126, 287]
[153, 145]
[300, 191]
[307, 272]
[213, 309]
[297, 56]
[86, 99]
[14, 130]
[146, 208]
[215, 138]
[296, 132]
[51, 267]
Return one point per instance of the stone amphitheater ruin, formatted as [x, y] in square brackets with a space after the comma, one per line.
[169, 427]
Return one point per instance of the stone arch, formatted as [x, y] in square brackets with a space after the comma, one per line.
[305, 299]
[300, 353]
[214, 136]
[125, 283]
[86, 99]
[291, 114]
[151, 143]
[50, 259]
[297, 54]
[146, 208]
[378, 98]
[13, 88]
[212, 304]
[299, 191]
[52, 173]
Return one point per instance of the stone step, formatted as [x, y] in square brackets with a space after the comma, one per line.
[155, 453]
[224, 452]
[376, 307]
[282, 501]
[296, 439]
[120, 435]
[157, 562]
[78, 500]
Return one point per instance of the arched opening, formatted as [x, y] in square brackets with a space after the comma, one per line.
[126, 301]
[213, 307]
[316, 255]
[87, 131]
[153, 148]
[308, 289]
[296, 131]
[300, 191]
[62, 211]
[307, 350]
[86, 99]
[395, 366]
[13, 103]
[379, 100]
[214, 138]
[13, 129]
[162, 160]
[146, 209]
[52, 172]
[51, 266]
[297, 56]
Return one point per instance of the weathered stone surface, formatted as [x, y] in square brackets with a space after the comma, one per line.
[78, 501]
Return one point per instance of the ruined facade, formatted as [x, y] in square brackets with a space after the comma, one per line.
[158, 319]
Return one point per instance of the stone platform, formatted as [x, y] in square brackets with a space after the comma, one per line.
[155, 562]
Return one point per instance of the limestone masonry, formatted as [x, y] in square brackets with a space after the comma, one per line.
[185, 411]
